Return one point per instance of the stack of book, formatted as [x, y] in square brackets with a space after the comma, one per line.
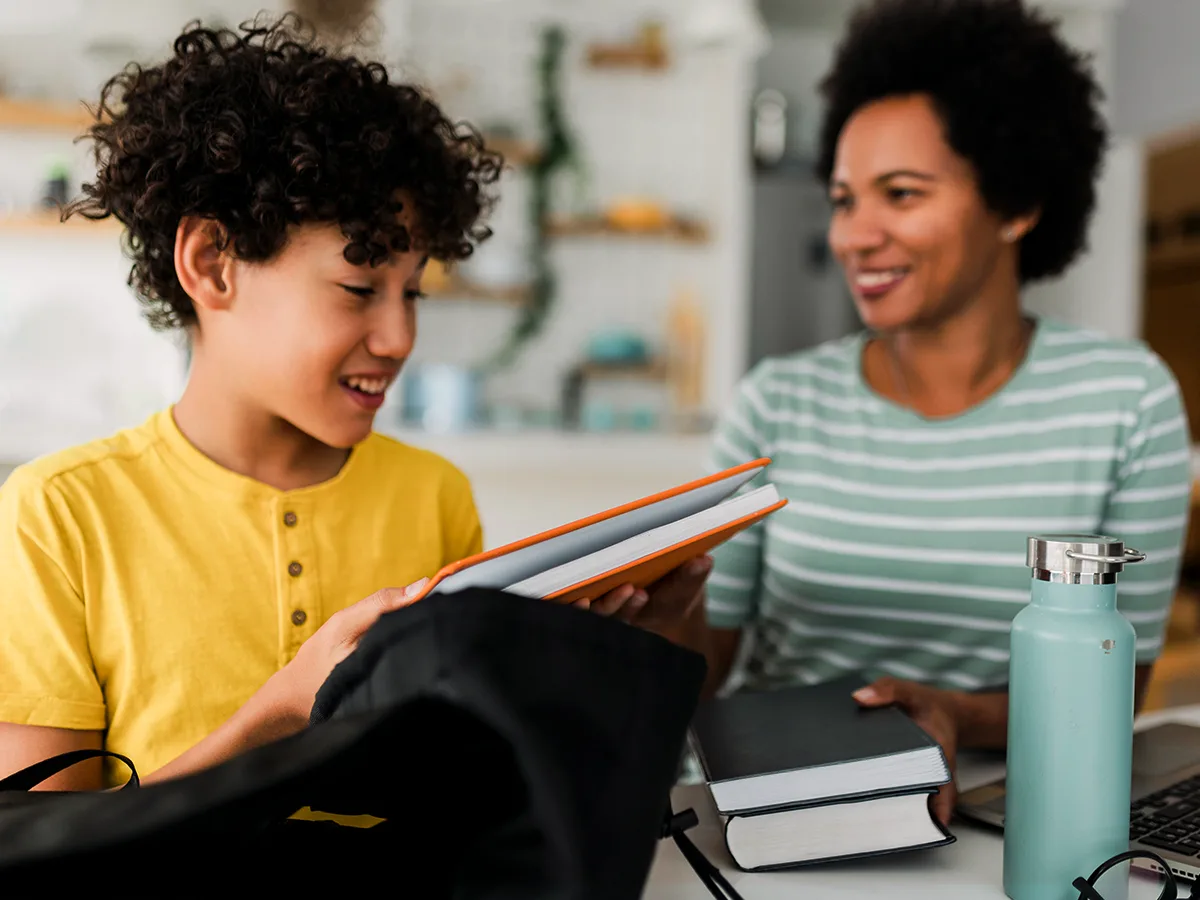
[805, 775]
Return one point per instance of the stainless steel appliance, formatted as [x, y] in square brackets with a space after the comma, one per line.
[798, 295]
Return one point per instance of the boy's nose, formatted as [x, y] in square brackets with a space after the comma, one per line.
[392, 333]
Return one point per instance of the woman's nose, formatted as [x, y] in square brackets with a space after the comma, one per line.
[857, 230]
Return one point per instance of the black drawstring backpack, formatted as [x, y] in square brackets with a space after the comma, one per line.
[498, 747]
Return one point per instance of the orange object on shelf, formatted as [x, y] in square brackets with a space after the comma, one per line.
[636, 214]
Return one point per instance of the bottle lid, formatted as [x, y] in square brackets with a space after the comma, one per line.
[1079, 558]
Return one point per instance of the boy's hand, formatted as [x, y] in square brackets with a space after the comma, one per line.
[281, 707]
[297, 683]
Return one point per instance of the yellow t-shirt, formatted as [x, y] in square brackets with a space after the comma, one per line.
[149, 592]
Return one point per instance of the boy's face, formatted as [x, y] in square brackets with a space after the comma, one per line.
[318, 341]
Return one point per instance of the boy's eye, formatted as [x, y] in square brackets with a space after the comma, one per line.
[414, 295]
[840, 201]
[357, 291]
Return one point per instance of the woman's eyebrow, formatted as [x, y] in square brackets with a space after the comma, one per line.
[906, 173]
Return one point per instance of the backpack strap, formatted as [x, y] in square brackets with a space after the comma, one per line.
[31, 776]
[674, 825]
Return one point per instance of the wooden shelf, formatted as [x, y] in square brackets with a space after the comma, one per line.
[676, 229]
[515, 151]
[48, 222]
[35, 115]
[627, 56]
[459, 288]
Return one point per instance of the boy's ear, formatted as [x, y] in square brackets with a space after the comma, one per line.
[203, 268]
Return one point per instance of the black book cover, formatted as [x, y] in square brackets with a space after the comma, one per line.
[762, 733]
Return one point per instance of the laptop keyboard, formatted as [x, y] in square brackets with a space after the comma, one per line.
[1170, 819]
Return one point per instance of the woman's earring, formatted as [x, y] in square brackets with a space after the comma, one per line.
[1010, 234]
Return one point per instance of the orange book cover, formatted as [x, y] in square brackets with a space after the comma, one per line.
[642, 572]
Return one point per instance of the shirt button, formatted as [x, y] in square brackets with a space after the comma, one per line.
[294, 569]
[289, 519]
[299, 617]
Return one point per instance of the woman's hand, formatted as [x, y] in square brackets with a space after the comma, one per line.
[936, 711]
[624, 602]
[666, 604]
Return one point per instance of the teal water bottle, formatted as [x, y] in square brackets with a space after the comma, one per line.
[1070, 722]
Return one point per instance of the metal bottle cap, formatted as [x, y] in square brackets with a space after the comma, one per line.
[1078, 558]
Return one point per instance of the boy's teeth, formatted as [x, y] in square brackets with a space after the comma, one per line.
[368, 385]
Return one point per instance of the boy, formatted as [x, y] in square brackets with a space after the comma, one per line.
[178, 592]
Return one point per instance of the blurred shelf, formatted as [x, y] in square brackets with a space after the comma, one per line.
[515, 151]
[639, 55]
[676, 229]
[46, 222]
[649, 370]
[461, 289]
[36, 115]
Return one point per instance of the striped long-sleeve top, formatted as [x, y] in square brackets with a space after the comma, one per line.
[901, 551]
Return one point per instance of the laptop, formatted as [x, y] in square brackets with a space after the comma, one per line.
[1165, 809]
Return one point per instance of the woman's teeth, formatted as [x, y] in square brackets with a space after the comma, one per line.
[368, 385]
[879, 278]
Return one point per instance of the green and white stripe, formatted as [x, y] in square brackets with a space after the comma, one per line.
[901, 551]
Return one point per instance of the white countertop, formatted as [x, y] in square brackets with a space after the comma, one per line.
[969, 869]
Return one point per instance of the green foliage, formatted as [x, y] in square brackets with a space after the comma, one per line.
[557, 152]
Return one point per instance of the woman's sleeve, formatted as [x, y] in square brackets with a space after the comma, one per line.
[1149, 508]
[740, 437]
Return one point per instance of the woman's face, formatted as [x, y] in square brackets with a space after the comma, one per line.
[909, 226]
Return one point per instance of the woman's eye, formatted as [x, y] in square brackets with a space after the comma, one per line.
[840, 202]
[414, 295]
[899, 194]
[357, 291]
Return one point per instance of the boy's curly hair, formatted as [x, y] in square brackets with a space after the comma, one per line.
[1016, 102]
[260, 129]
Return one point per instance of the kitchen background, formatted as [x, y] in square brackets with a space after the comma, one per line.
[684, 241]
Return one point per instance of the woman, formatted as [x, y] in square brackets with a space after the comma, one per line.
[960, 147]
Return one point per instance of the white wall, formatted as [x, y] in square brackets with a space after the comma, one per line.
[1158, 83]
[1103, 291]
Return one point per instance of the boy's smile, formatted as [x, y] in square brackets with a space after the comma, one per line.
[368, 389]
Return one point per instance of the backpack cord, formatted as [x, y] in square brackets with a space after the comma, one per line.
[674, 826]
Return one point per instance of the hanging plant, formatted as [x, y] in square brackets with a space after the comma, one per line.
[558, 152]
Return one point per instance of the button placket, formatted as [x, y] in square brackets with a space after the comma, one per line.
[298, 610]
